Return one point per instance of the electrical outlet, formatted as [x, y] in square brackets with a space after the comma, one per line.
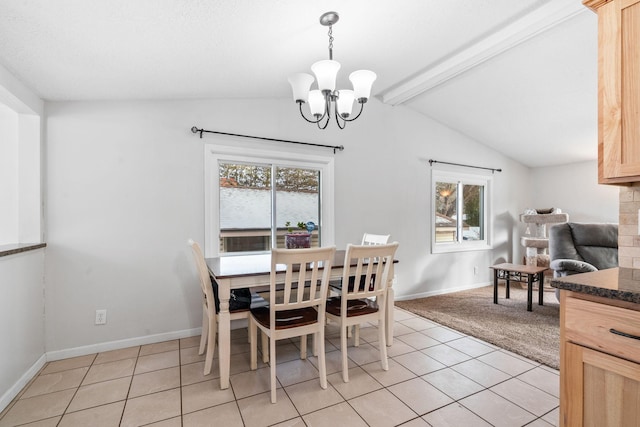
[101, 317]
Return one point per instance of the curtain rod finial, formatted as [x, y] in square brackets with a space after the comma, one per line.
[196, 130]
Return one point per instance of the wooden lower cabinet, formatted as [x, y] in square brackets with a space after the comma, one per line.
[599, 389]
[599, 368]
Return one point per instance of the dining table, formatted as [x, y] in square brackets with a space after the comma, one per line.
[253, 271]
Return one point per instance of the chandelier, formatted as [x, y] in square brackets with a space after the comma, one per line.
[326, 98]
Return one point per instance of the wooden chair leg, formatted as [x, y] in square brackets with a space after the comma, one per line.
[322, 363]
[211, 347]
[382, 341]
[253, 339]
[265, 348]
[356, 335]
[205, 331]
[343, 349]
[303, 347]
[315, 343]
[272, 353]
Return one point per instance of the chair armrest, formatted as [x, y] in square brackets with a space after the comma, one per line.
[571, 266]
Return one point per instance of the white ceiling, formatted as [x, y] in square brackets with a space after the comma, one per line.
[518, 76]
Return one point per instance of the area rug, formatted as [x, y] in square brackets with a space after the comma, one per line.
[508, 325]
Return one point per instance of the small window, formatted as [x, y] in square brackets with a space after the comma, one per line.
[460, 212]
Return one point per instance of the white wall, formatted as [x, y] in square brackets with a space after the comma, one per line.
[21, 320]
[574, 188]
[125, 191]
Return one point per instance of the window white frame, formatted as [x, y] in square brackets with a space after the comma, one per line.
[487, 217]
[214, 154]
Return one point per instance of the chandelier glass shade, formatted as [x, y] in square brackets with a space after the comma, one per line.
[326, 100]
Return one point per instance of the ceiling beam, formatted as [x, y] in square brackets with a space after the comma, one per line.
[511, 35]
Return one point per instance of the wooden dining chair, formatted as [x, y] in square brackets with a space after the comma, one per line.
[209, 314]
[368, 239]
[299, 309]
[375, 239]
[366, 300]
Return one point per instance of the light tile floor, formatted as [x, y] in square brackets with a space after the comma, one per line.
[437, 377]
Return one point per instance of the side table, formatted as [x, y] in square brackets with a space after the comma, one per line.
[517, 273]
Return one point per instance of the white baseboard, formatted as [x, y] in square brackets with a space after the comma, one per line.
[441, 291]
[13, 391]
[116, 345]
[130, 342]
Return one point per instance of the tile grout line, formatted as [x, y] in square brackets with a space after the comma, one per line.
[75, 393]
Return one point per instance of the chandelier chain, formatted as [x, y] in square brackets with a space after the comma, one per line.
[330, 33]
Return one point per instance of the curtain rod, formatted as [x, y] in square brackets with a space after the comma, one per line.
[431, 162]
[333, 147]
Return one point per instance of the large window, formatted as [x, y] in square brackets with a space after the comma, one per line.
[461, 212]
[253, 198]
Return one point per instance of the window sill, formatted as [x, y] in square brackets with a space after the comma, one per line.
[443, 249]
[17, 248]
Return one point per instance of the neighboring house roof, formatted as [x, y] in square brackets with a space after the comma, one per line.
[444, 221]
[251, 208]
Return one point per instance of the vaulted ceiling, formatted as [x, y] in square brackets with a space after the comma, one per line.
[518, 76]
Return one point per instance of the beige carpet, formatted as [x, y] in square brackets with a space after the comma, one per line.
[508, 324]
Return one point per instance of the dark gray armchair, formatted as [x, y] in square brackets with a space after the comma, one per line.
[580, 248]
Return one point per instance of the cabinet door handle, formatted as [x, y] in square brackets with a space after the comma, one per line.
[624, 334]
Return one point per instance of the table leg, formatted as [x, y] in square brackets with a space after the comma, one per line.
[495, 285]
[529, 291]
[390, 307]
[224, 333]
[541, 288]
[508, 286]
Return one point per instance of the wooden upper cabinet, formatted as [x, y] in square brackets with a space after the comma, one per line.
[618, 90]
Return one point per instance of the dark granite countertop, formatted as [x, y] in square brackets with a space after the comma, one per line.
[622, 284]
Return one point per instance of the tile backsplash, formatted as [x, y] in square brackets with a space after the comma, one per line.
[628, 238]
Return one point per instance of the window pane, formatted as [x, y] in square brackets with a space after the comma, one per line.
[445, 202]
[245, 207]
[472, 227]
[297, 200]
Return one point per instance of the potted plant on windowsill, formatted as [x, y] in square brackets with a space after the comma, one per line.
[300, 237]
